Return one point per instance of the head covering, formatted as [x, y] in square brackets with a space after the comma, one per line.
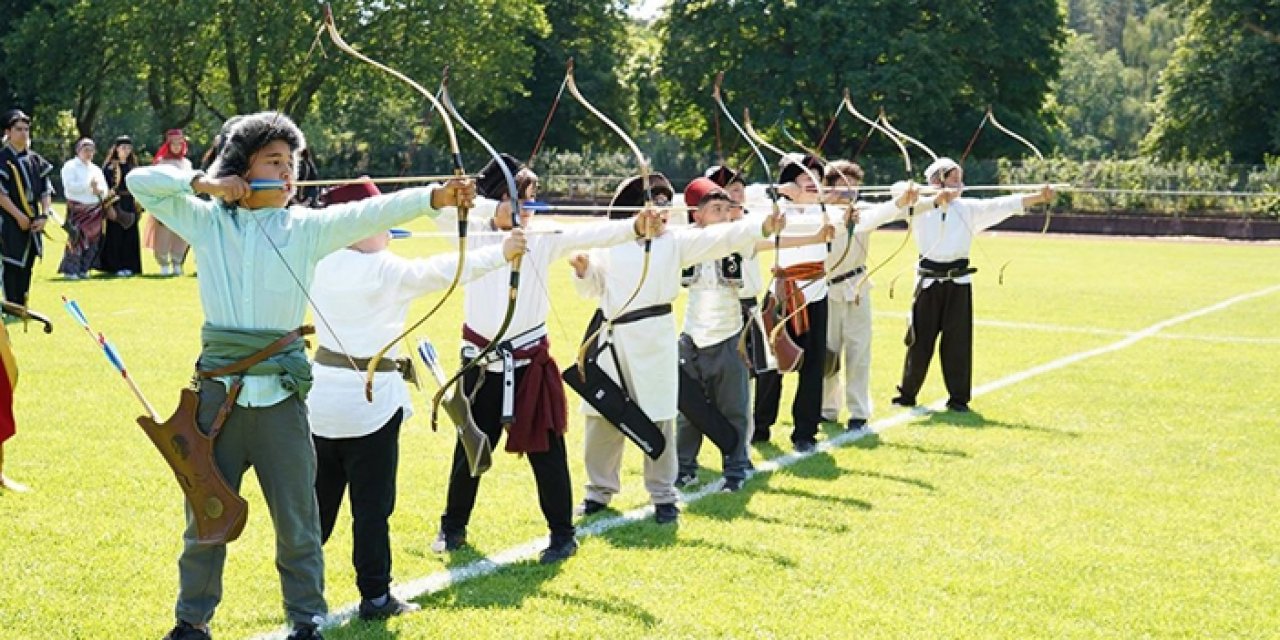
[724, 176]
[13, 116]
[941, 165]
[249, 135]
[630, 193]
[165, 152]
[124, 140]
[173, 132]
[350, 193]
[85, 142]
[700, 189]
[789, 166]
[492, 184]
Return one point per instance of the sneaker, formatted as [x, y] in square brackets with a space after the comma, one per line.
[449, 541]
[958, 407]
[665, 513]
[304, 631]
[589, 507]
[70, 276]
[805, 446]
[558, 550]
[856, 424]
[903, 401]
[164, 270]
[392, 607]
[185, 631]
[177, 270]
[124, 273]
[686, 479]
[733, 485]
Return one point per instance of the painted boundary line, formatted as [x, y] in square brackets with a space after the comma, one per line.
[529, 550]
[1066, 328]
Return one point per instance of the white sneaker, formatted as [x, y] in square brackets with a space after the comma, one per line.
[124, 273]
[164, 270]
[177, 269]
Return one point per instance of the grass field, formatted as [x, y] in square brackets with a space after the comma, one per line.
[1128, 490]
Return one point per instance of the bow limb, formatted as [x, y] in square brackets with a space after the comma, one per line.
[457, 170]
[847, 104]
[850, 238]
[884, 120]
[773, 199]
[513, 287]
[991, 116]
[643, 165]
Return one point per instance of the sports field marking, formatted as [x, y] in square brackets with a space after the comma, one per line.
[1064, 328]
[529, 550]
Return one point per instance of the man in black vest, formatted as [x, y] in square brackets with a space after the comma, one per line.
[26, 195]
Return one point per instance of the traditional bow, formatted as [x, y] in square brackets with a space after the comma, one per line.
[990, 116]
[847, 105]
[457, 171]
[643, 165]
[513, 288]
[850, 238]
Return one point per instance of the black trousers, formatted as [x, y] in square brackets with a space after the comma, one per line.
[17, 282]
[550, 468]
[806, 406]
[944, 308]
[368, 466]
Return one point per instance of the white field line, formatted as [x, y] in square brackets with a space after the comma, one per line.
[529, 550]
[1063, 328]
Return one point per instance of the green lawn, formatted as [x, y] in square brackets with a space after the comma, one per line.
[1129, 494]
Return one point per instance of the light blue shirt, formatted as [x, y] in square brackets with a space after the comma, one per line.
[242, 253]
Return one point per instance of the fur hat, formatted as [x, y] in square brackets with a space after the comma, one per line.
[492, 183]
[630, 193]
[724, 176]
[249, 135]
[14, 116]
[790, 166]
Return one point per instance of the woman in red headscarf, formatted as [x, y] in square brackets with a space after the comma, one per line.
[170, 249]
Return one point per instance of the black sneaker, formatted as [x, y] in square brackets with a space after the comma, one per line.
[558, 550]
[666, 513]
[686, 479]
[733, 485]
[185, 631]
[805, 446]
[304, 631]
[903, 401]
[449, 541]
[856, 424]
[958, 407]
[392, 607]
[590, 507]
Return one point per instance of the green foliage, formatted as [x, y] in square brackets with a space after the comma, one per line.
[1220, 91]
[927, 64]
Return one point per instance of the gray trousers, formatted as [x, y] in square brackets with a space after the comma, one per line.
[276, 442]
[724, 377]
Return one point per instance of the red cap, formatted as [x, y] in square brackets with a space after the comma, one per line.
[173, 132]
[350, 193]
[699, 189]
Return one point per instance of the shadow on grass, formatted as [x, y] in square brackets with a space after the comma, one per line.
[975, 420]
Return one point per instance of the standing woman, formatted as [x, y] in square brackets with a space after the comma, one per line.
[121, 252]
[85, 188]
[169, 247]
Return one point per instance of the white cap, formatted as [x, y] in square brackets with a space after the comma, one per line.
[941, 164]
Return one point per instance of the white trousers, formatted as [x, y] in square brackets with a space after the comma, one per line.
[849, 334]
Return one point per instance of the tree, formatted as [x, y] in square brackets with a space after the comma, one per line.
[1220, 91]
[934, 67]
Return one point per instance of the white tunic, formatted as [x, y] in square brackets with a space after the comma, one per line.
[944, 238]
[365, 298]
[487, 296]
[647, 348]
[871, 216]
[77, 177]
